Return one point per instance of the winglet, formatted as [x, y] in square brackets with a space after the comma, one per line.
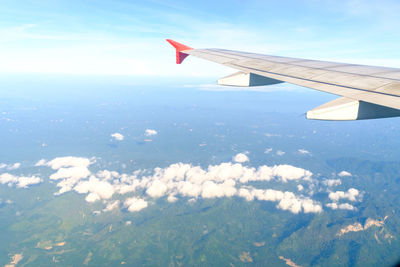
[180, 56]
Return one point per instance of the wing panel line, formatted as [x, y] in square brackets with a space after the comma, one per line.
[309, 80]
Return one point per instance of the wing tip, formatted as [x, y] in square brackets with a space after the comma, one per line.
[180, 56]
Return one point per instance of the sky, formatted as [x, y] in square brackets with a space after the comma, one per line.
[123, 37]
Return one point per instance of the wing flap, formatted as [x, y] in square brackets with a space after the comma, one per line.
[349, 109]
[243, 79]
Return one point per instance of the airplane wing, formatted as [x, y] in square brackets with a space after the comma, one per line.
[367, 92]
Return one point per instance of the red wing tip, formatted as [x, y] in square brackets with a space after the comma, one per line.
[178, 46]
[180, 56]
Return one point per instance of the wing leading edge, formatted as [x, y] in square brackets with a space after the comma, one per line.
[367, 92]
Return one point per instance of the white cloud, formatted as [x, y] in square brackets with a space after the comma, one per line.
[72, 172]
[300, 187]
[240, 158]
[19, 181]
[246, 194]
[57, 163]
[107, 175]
[351, 195]
[226, 179]
[111, 206]
[331, 182]
[134, 204]
[291, 204]
[172, 198]
[150, 132]
[343, 206]
[14, 166]
[223, 180]
[41, 162]
[92, 197]
[10, 167]
[288, 172]
[102, 189]
[287, 200]
[117, 136]
[304, 152]
[156, 189]
[24, 181]
[69, 170]
[280, 153]
[344, 173]
[309, 206]
[267, 150]
[212, 190]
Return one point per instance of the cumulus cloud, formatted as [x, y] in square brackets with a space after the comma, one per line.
[286, 200]
[96, 188]
[134, 204]
[117, 136]
[70, 170]
[223, 180]
[343, 206]
[150, 132]
[10, 167]
[92, 197]
[19, 181]
[331, 182]
[280, 153]
[60, 162]
[288, 172]
[240, 158]
[156, 189]
[352, 194]
[344, 173]
[107, 175]
[227, 179]
[212, 190]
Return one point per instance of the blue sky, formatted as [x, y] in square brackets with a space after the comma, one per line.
[127, 37]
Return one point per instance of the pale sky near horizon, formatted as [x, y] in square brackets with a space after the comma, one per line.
[128, 37]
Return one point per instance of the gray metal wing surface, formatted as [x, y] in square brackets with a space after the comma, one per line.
[367, 92]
